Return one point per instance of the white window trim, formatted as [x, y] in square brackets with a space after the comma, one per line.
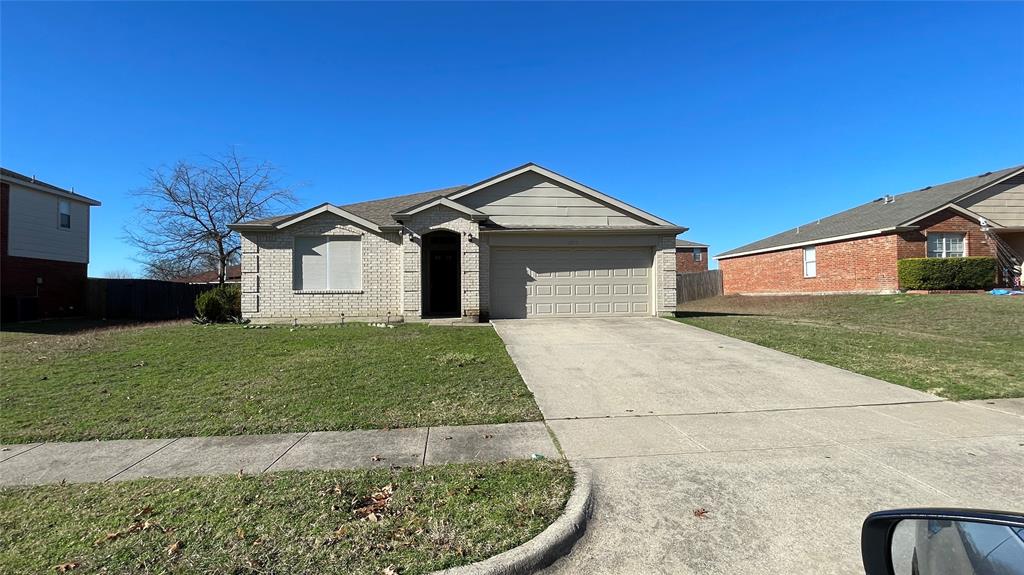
[698, 255]
[927, 241]
[327, 265]
[806, 250]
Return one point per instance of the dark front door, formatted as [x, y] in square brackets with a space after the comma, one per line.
[441, 272]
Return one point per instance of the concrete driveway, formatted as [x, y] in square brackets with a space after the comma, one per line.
[787, 456]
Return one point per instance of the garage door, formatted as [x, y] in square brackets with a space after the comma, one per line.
[570, 282]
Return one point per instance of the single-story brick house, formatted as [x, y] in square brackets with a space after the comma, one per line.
[691, 257]
[857, 250]
[525, 243]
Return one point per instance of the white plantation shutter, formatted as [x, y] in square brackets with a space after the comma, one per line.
[810, 262]
[327, 263]
[344, 263]
[310, 263]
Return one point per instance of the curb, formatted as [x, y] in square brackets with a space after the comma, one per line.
[550, 545]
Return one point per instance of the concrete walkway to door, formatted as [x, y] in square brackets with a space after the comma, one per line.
[785, 455]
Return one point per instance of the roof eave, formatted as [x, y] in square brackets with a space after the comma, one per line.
[51, 190]
[853, 236]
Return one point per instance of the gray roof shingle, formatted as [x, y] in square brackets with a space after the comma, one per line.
[689, 244]
[875, 215]
[377, 211]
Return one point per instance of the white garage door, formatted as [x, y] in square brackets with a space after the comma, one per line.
[570, 282]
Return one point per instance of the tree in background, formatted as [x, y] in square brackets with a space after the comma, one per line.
[185, 211]
[119, 274]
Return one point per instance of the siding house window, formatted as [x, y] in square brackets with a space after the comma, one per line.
[698, 255]
[810, 262]
[946, 245]
[327, 263]
[65, 215]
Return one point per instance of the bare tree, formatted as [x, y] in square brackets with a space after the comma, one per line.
[119, 274]
[186, 209]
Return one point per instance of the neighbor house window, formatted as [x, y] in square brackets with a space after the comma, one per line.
[65, 215]
[698, 255]
[810, 262]
[946, 245]
[327, 263]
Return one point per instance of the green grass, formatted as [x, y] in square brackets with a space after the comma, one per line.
[288, 522]
[956, 346]
[182, 380]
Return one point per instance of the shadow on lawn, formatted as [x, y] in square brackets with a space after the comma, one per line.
[679, 313]
[72, 326]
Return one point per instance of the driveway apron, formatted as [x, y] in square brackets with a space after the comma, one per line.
[714, 455]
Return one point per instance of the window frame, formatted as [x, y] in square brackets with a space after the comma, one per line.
[330, 239]
[63, 209]
[698, 255]
[810, 250]
[945, 251]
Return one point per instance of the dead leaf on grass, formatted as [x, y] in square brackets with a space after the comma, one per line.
[65, 567]
[376, 458]
[144, 512]
[390, 570]
[175, 548]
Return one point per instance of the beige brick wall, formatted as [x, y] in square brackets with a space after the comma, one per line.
[440, 218]
[267, 289]
[665, 275]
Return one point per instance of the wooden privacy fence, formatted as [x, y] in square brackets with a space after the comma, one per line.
[698, 285]
[142, 300]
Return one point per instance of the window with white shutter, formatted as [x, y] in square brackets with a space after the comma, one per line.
[327, 263]
[810, 262]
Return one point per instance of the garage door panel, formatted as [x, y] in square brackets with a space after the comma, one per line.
[570, 282]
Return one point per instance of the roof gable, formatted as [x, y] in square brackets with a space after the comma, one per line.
[532, 174]
[441, 201]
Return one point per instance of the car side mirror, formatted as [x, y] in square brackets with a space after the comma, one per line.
[943, 542]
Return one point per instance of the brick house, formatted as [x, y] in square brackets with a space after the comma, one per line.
[525, 243]
[856, 251]
[44, 248]
[691, 257]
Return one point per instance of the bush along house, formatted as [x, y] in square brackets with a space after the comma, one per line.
[858, 250]
[44, 248]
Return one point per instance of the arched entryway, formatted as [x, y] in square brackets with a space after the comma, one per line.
[441, 274]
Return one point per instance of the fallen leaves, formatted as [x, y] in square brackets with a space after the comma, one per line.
[175, 548]
[372, 509]
[701, 513]
[65, 567]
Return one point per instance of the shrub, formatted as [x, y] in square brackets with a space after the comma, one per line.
[947, 273]
[220, 304]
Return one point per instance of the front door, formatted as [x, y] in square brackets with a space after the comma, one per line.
[441, 272]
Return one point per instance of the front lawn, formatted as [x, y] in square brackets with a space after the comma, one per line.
[351, 522]
[181, 380]
[956, 346]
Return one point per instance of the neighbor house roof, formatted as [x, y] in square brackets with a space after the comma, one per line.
[874, 217]
[32, 182]
[689, 244]
[234, 274]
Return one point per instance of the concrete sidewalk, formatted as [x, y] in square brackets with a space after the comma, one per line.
[119, 460]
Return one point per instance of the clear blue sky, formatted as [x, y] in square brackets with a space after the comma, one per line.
[736, 120]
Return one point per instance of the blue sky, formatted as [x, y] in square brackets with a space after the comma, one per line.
[735, 120]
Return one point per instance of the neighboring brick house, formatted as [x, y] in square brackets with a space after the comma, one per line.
[44, 248]
[525, 243]
[691, 257]
[857, 250]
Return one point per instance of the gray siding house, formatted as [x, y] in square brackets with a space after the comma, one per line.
[525, 243]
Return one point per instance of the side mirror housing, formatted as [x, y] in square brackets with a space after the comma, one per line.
[943, 542]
